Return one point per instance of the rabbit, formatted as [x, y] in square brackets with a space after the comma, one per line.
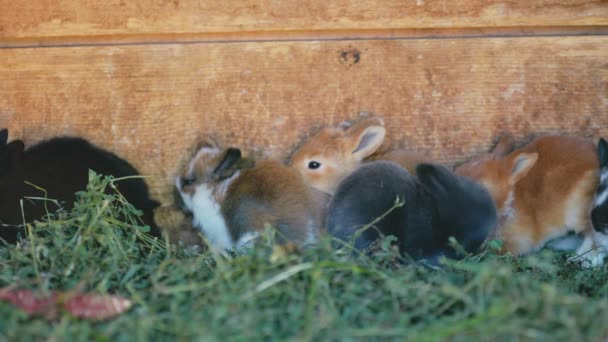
[60, 166]
[333, 153]
[599, 213]
[436, 204]
[543, 192]
[232, 199]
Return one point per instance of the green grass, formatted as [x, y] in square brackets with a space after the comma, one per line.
[317, 294]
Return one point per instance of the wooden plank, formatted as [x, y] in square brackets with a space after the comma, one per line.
[56, 22]
[449, 98]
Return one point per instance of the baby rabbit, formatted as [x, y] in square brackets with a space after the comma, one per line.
[231, 199]
[542, 191]
[329, 156]
[437, 204]
[599, 213]
[60, 166]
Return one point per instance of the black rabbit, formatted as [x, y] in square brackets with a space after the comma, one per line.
[436, 204]
[60, 166]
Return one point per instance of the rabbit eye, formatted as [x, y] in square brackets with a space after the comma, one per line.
[314, 165]
[187, 181]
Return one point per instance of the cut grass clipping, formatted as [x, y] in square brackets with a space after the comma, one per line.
[320, 293]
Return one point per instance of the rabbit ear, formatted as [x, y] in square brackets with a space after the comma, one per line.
[602, 152]
[434, 177]
[368, 142]
[229, 164]
[366, 137]
[364, 123]
[521, 165]
[504, 146]
[13, 152]
[207, 142]
[3, 137]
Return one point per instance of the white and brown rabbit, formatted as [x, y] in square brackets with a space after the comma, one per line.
[543, 191]
[333, 153]
[232, 200]
[436, 205]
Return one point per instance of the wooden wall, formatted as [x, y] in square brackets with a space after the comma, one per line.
[147, 79]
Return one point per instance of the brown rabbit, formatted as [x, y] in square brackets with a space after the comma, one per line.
[542, 191]
[333, 153]
[232, 200]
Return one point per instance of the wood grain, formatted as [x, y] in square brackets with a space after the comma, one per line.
[448, 98]
[56, 22]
